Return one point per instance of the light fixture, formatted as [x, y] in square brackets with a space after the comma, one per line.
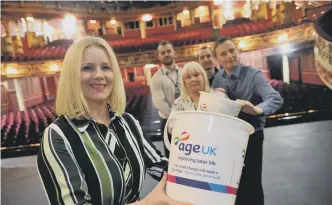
[185, 11]
[54, 68]
[93, 21]
[282, 38]
[70, 18]
[11, 71]
[322, 12]
[30, 18]
[309, 3]
[149, 66]
[285, 48]
[69, 24]
[228, 5]
[297, 8]
[147, 17]
[228, 14]
[242, 44]
[113, 21]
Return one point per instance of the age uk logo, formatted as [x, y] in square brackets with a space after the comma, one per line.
[203, 107]
[183, 137]
[189, 148]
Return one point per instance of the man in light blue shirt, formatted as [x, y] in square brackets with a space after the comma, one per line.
[248, 86]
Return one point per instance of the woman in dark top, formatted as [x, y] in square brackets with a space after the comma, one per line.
[94, 153]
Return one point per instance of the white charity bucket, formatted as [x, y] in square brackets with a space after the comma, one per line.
[214, 103]
[206, 157]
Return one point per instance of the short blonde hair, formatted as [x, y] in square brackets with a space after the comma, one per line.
[190, 68]
[70, 100]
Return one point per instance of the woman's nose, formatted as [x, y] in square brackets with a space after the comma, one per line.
[99, 73]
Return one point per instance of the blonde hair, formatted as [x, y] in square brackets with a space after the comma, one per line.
[70, 100]
[191, 68]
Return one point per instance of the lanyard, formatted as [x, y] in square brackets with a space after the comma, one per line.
[177, 79]
[193, 103]
[176, 85]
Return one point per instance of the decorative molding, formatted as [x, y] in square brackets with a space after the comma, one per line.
[29, 69]
[302, 35]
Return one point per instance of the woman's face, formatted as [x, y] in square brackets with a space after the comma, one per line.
[194, 82]
[97, 77]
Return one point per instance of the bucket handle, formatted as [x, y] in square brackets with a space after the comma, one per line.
[166, 141]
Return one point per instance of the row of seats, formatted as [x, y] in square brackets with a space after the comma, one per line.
[303, 97]
[49, 51]
[26, 127]
[250, 28]
[177, 38]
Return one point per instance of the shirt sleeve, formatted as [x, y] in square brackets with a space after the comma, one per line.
[216, 81]
[59, 171]
[272, 100]
[155, 162]
[158, 97]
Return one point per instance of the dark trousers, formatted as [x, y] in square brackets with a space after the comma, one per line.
[250, 191]
[163, 123]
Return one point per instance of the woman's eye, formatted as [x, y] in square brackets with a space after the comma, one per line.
[87, 68]
[106, 67]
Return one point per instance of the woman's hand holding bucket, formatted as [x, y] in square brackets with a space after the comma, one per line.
[158, 196]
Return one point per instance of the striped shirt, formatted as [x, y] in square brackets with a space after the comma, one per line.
[163, 89]
[82, 161]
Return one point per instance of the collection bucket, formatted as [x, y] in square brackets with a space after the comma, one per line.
[206, 157]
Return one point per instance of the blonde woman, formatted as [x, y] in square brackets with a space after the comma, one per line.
[94, 153]
[194, 79]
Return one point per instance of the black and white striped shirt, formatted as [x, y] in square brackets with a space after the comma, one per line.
[82, 161]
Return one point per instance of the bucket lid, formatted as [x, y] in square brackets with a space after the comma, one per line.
[249, 126]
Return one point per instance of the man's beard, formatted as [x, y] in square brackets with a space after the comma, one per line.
[208, 68]
[168, 61]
